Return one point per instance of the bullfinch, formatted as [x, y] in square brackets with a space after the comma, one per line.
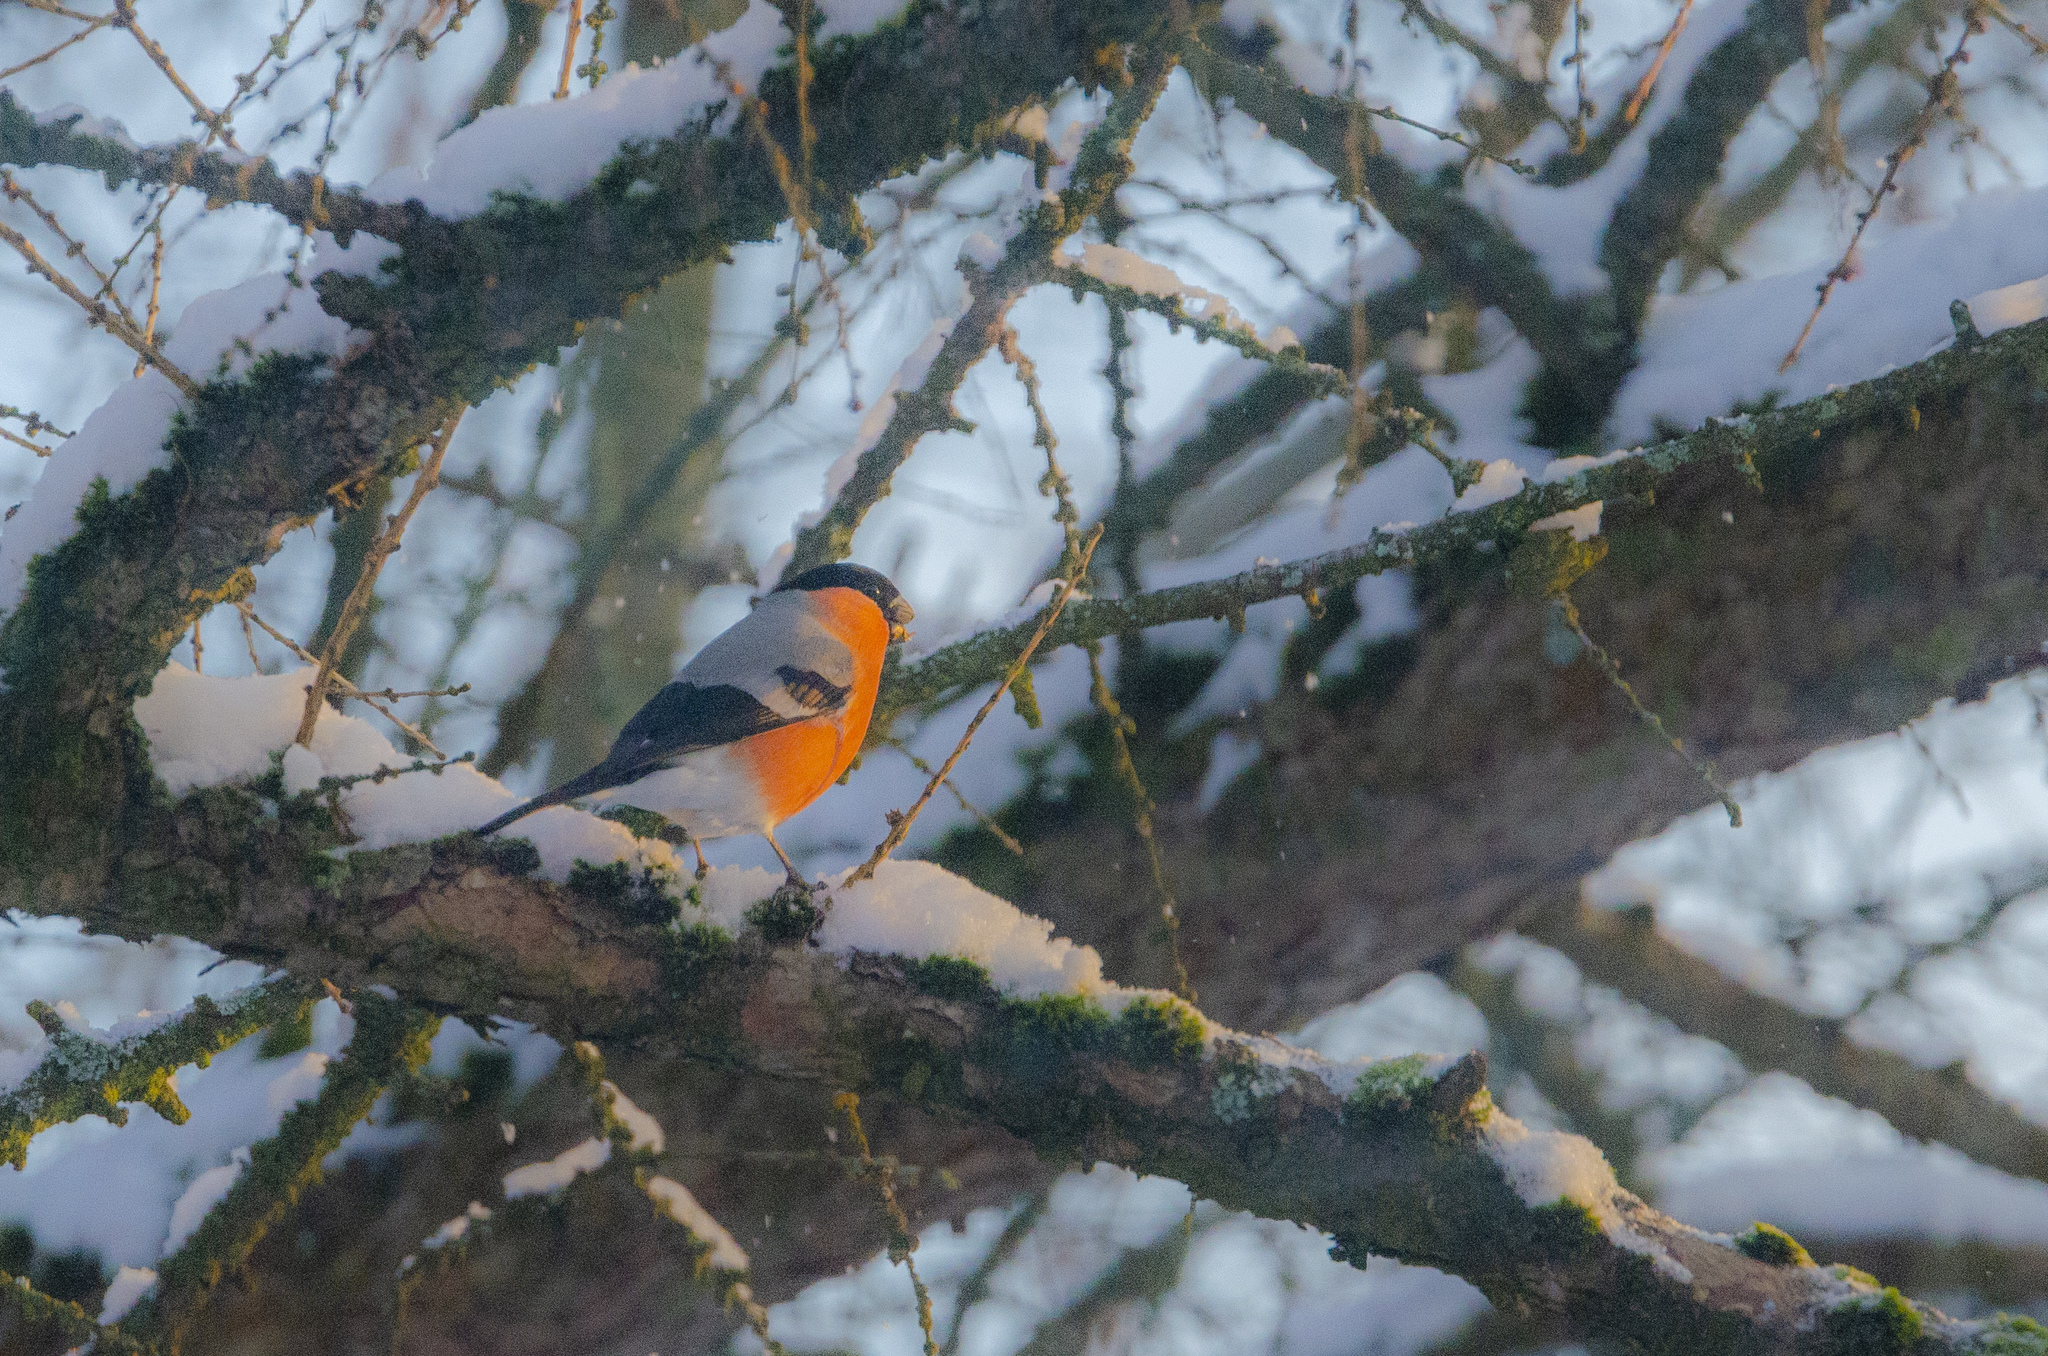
[762, 720]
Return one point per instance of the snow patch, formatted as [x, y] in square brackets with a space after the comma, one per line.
[205, 730]
[454, 1230]
[674, 1197]
[208, 1189]
[556, 149]
[915, 910]
[1120, 267]
[1582, 522]
[1230, 756]
[1546, 1167]
[128, 1287]
[537, 1179]
[2001, 308]
[1502, 479]
[643, 1128]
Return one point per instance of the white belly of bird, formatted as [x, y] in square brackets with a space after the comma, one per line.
[709, 794]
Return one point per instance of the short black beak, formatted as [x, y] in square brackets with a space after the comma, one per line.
[900, 612]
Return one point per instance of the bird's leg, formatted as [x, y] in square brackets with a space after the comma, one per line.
[796, 877]
[703, 867]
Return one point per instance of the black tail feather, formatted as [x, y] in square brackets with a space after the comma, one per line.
[597, 779]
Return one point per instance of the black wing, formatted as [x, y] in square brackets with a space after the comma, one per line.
[683, 718]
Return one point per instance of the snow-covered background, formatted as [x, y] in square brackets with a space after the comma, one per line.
[1900, 883]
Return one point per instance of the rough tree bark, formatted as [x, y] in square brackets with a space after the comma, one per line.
[1496, 778]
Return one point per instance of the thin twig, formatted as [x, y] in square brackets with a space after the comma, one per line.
[20, 441]
[1054, 482]
[1582, 110]
[386, 773]
[387, 695]
[1455, 138]
[358, 601]
[1649, 717]
[74, 248]
[981, 816]
[343, 685]
[156, 288]
[2014, 26]
[124, 16]
[1121, 727]
[900, 822]
[33, 422]
[1941, 91]
[902, 1242]
[1649, 80]
[569, 48]
[93, 24]
[249, 637]
[113, 321]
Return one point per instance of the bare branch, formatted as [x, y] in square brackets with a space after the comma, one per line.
[984, 658]
[900, 821]
[358, 601]
[113, 321]
[1942, 96]
[346, 688]
[1101, 168]
[216, 123]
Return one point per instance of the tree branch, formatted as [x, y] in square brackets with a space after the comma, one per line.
[303, 199]
[1101, 168]
[1402, 1158]
[1743, 443]
[82, 1076]
[1625, 952]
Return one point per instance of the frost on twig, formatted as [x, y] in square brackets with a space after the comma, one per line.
[87, 1074]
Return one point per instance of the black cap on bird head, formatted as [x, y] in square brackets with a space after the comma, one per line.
[862, 580]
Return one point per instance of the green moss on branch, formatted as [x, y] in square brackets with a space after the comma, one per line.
[82, 1076]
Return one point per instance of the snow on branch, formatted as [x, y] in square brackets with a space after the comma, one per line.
[131, 546]
[91, 1073]
[391, 1040]
[1490, 521]
[1405, 1158]
[1136, 283]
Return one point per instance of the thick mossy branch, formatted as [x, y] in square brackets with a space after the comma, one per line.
[1748, 443]
[390, 1040]
[303, 199]
[40, 1314]
[1942, 1106]
[1401, 1164]
[85, 1076]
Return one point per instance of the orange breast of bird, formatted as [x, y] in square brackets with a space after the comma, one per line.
[792, 766]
